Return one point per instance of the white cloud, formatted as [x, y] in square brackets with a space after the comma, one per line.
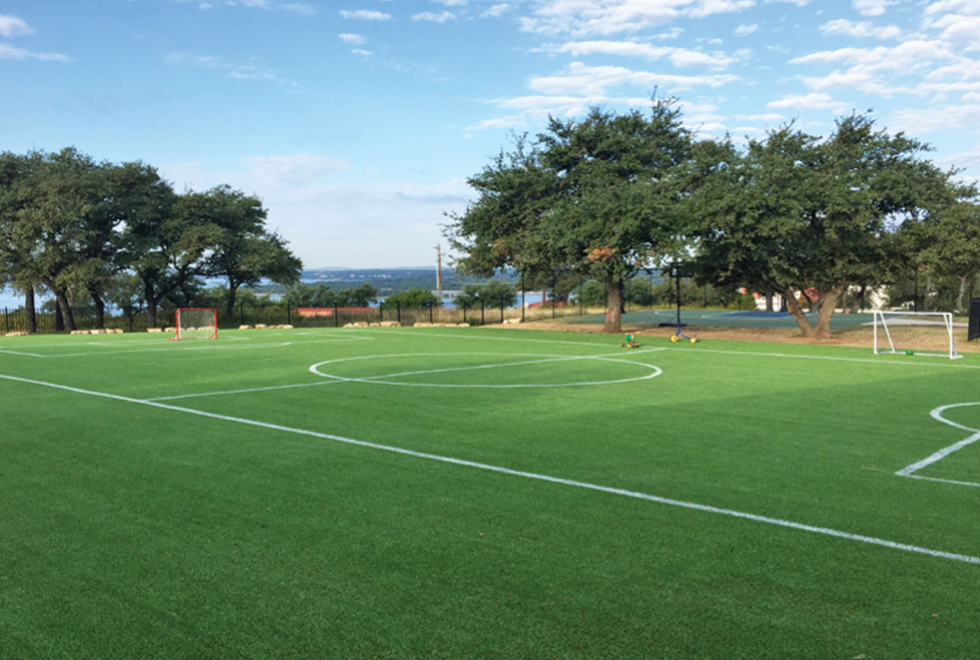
[870, 7]
[497, 11]
[745, 30]
[8, 52]
[860, 30]
[353, 39]
[329, 224]
[303, 9]
[810, 101]
[251, 70]
[441, 17]
[267, 172]
[581, 80]
[680, 57]
[11, 26]
[452, 3]
[362, 52]
[366, 15]
[943, 6]
[605, 17]
[917, 120]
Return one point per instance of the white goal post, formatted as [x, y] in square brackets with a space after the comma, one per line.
[915, 333]
[196, 323]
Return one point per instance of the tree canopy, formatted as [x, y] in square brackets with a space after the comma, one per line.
[70, 225]
[795, 212]
[596, 197]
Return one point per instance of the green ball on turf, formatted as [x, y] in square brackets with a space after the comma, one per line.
[908, 352]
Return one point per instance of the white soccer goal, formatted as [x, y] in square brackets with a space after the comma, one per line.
[915, 333]
[196, 323]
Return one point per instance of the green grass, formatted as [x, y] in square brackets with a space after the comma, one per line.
[139, 521]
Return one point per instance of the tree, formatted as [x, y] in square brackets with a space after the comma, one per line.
[161, 240]
[59, 202]
[413, 299]
[595, 197]
[796, 212]
[308, 295]
[950, 244]
[243, 251]
[17, 245]
[362, 296]
[494, 293]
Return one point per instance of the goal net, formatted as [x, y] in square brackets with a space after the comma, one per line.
[915, 333]
[196, 323]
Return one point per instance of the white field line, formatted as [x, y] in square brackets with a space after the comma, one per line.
[655, 371]
[700, 349]
[173, 349]
[340, 379]
[268, 388]
[831, 358]
[826, 531]
[20, 353]
[944, 481]
[937, 414]
[434, 334]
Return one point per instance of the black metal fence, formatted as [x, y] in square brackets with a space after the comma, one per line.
[245, 314]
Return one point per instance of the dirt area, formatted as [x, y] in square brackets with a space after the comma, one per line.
[861, 337]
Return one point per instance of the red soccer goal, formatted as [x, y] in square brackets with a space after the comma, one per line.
[196, 323]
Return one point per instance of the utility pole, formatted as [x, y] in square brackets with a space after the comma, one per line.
[439, 272]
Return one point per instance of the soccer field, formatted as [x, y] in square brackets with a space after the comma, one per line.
[484, 493]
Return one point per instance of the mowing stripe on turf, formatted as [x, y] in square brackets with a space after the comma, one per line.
[518, 473]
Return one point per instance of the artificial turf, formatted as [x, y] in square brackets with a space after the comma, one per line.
[480, 493]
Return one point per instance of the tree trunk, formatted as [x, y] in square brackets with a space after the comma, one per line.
[769, 300]
[67, 319]
[151, 305]
[827, 307]
[232, 291]
[964, 283]
[99, 308]
[30, 310]
[614, 305]
[793, 305]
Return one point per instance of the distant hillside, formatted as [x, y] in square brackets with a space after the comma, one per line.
[387, 280]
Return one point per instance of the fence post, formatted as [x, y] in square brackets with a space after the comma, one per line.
[6, 320]
[381, 311]
[501, 309]
[483, 309]
[430, 311]
[289, 313]
[398, 307]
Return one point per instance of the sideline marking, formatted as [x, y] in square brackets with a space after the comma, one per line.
[174, 349]
[518, 473]
[830, 358]
[379, 379]
[250, 390]
[937, 414]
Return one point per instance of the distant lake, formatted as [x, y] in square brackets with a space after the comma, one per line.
[11, 300]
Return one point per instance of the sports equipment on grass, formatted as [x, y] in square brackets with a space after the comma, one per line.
[196, 323]
[914, 333]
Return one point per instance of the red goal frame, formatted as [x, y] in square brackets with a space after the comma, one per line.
[214, 323]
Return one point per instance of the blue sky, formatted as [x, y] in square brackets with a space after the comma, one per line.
[357, 122]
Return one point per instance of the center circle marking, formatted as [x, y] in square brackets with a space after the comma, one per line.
[386, 379]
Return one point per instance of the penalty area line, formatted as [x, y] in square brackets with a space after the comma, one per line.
[826, 531]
